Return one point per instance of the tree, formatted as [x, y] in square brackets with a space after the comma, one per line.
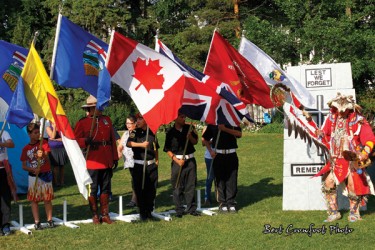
[317, 32]
[291, 32]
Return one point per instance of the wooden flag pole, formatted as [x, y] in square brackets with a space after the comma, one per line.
[2, 128]
[40, 148]
[91, 130]
[212, 162]
[183, 156]
[145, 161]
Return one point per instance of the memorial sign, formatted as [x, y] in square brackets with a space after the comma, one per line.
[301, 191]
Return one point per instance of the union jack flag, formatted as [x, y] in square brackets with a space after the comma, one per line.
[205, 98]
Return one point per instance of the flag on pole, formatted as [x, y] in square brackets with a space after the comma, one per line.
[19, 111]
[205, 98]
[79, 61]
[44, 102]
[12, 60]
[224, 63]
[153, 81]
[272, 73]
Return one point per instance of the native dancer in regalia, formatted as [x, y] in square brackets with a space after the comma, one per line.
[351, 141]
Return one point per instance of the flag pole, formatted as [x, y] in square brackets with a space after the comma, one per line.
[58, 28]
[40, 147]
[209, 49]
[145, 160]
[91, 130]
[212, 162]
[43, 126]
[183, 156]
[2, 129]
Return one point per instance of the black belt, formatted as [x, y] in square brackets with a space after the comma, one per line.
[101, 143]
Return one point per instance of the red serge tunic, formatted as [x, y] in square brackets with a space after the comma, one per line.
[103, 151]
[358, 132]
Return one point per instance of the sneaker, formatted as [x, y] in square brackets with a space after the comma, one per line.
[223, 209]
[232, 209]
[38, 226]
[333, 217]
[351, 218]
[50, 224]
[6, 230]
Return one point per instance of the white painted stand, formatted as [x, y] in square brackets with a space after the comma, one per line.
[206, 211]
[17, 226]
[26, 228]
[165, 216]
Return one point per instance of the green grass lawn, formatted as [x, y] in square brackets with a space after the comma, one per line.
[259, 202]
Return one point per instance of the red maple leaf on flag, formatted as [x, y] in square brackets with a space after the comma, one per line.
[148, 74]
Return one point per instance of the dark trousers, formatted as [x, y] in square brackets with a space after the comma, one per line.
[226, 173]
[100, 178]
[5, 198]
[145, 196]
[186, 185]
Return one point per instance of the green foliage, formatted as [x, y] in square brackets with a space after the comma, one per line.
[118, 113]
[289, 31]
[367, 101]
[272, 128]
[74, 115]
[331, 31]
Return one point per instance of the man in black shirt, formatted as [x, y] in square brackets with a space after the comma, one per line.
[145, 192]
[179, 145]
[225, 163]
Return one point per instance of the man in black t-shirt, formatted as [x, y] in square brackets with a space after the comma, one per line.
[179, 145]
[225, 163]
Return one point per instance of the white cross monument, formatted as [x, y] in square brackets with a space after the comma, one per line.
[301, 162]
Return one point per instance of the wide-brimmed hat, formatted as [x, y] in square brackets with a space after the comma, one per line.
[90, 102]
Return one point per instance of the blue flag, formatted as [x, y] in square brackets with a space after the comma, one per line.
[12, 60]
[19, 111]
[80, 61]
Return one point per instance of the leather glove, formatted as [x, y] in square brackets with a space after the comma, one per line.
[88, 141]
[115, 165]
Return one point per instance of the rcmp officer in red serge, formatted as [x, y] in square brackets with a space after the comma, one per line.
[102, 156]
[225, 163]
[183, 167]
[137, 141]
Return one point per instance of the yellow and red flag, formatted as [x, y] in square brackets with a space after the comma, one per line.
[44, 102]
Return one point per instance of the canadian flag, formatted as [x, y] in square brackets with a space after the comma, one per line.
[153, 81]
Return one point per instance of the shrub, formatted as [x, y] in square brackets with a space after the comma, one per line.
[275, 127]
